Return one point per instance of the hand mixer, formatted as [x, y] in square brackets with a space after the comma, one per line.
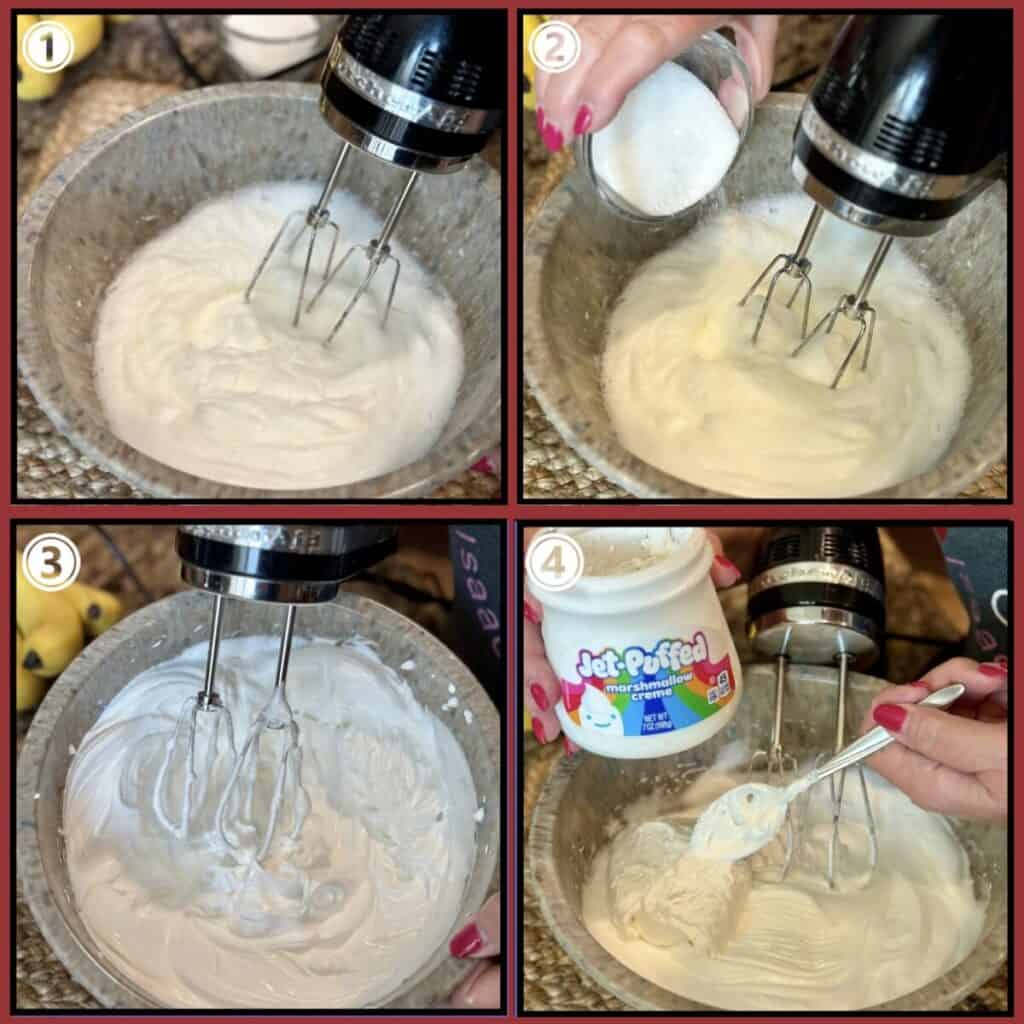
[906, 124]
[421, 91]
[287, 563]
[817, 597]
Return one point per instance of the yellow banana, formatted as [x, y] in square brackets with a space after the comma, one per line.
[31, 603]
[51, 647]
[86, 31]
[530, 23]
[24, 23]
[36, 85]
[29, 690]
[97, 609]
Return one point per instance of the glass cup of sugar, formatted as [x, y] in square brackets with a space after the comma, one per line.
[260, 45]
[676, 136]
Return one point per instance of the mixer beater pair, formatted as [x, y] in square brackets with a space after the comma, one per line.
[817, 597]
[318, 219]
[906, 124]
[289, 564]
[235, 810]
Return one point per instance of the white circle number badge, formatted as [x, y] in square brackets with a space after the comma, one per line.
[554, 561]
[48, 46]
[555, 46]
[51, 562]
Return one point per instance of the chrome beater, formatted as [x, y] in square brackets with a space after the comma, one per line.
[836, 785]
[235, 812]
[795, 264]
[780, 767]
[377, 252]
[314, 220]
[854, 307]
[178, 778]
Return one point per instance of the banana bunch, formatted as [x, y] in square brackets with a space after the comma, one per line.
[52, 629]
[531, 22]
[87, 32]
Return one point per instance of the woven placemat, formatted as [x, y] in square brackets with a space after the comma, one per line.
[551, 469]
[49, 465]
[41, 980]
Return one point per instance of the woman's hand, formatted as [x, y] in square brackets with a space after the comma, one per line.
[618, 50]
[543, 691]
[480, 940]
[950, 761]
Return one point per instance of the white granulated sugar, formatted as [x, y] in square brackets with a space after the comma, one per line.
[468, 715]
[451, 687]
[669, 146]
[407, 666]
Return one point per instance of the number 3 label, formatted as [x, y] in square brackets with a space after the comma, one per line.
[555, 46]
[51, 562]
[554, 561]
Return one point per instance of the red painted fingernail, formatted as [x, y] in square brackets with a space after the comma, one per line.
[569, 747]
[583, 118]
[484, 465]
[552, 138]
[890, 716]
[942, 532]
[995, 669]
[466, 942]
[538, 731]
[726, 566]
[540, 120]
[540, 698]
[531, 613]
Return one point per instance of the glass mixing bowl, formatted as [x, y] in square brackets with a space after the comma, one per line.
[583, 794]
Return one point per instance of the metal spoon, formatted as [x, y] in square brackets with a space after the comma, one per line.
[748, 817]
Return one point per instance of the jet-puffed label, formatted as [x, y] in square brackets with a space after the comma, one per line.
[640, 691]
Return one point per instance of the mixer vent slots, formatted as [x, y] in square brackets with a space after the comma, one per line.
[841, 548]
[784, 549]
[465, 82]
[911, 145]
[836, 100]
[426, 69]
[367, 40]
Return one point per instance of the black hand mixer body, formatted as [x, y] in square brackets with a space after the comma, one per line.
[909, 119]
[905, 125]
[424, 92]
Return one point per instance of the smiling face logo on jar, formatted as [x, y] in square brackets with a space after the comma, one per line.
[598, 713]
